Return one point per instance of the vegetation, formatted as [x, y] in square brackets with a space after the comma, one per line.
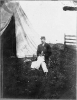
[60, 83]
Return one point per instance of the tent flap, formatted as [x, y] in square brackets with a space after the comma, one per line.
[8, 39]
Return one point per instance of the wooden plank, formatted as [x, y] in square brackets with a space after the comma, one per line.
[70, 42]
[70, 39]
[70, 35]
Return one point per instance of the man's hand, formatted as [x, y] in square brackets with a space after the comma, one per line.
[42, 53]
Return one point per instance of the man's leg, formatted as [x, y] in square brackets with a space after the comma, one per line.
[36, 64]
[33, 64]
[44, 67]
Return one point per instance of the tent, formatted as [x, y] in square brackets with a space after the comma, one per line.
[26, 38]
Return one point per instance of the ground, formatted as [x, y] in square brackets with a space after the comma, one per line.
[19, 81]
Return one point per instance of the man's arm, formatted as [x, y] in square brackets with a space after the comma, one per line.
[38, 50]
[49, 50]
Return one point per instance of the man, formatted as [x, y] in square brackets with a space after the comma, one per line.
[44, 49]
[43, 53]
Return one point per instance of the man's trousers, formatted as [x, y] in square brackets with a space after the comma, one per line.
[40, 62]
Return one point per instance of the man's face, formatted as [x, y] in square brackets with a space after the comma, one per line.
[42, 41]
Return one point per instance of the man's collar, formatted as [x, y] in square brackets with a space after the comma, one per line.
[43, 44]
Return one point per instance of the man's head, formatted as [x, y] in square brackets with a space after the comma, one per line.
[43, 39]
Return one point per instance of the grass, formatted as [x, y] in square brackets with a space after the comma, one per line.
[22, 82]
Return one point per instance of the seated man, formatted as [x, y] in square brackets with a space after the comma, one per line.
[43, 53]
[44, 49]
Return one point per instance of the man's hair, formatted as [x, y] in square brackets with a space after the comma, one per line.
[42, 37]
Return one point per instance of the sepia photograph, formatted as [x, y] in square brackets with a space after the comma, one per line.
[38, 45]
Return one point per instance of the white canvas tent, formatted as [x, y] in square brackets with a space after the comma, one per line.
[26, 37]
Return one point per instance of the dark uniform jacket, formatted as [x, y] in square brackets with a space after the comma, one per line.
[46, 49]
